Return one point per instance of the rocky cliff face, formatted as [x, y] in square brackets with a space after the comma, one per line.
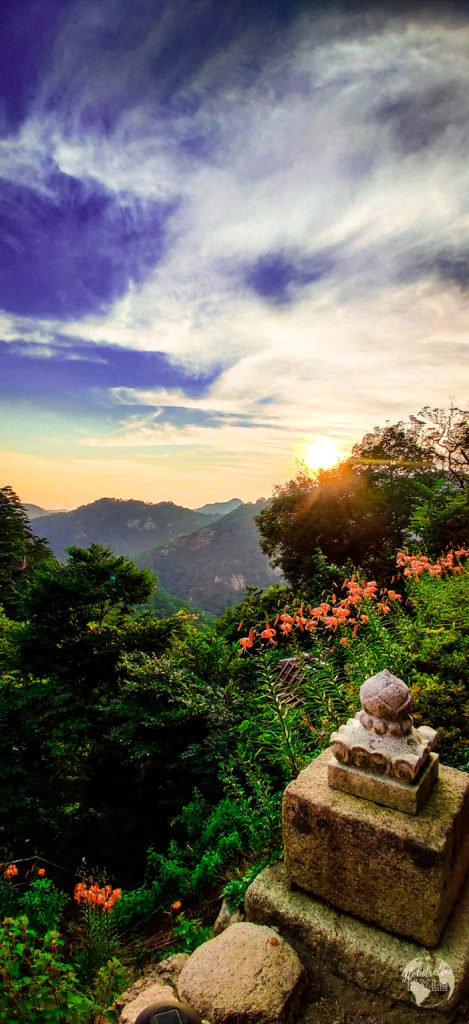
[212, 566]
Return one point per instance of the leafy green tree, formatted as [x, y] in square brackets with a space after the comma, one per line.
[93, 583]
[340, 511]
[20, 551]
[394, 452]
[68, 605]
[360, 511]
[440, 517]
[435, 441]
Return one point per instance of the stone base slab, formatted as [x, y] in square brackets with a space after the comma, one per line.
[401, 757]
[358, 964]
[383, 789]
[400, 872]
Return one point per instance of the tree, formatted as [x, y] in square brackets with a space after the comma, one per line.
[440, 517]
[435, 441]
[445, 433]
[397, 451]
[20, 551]
[68, 606]
[93, 583]
[340, 512]
[361, 510]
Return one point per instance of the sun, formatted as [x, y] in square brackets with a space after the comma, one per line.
[322, 454]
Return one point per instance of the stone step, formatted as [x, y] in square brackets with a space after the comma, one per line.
[362, 966]
[401, 872]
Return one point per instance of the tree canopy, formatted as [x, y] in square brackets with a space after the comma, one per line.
[20, 550]
[365, 508]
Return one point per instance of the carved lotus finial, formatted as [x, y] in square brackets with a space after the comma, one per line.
[386, 702]
[381, 740]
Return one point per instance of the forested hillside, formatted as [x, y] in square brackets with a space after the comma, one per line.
[125, 526]
[143, 759]
[211, 567]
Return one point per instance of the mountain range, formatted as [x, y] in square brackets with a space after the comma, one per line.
[125, 526]
[220, 507]
[36, 512]
[203, 557]
[211, 567]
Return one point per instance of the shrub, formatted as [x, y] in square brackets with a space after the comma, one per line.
[36, 983]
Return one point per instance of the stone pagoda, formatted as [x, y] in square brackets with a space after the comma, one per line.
[373, 892]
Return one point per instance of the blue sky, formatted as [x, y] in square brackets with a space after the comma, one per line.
[228, 230]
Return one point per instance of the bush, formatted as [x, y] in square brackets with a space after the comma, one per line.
[36, 984]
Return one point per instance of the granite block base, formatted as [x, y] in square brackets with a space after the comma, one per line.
[361, 966]
[400, 872]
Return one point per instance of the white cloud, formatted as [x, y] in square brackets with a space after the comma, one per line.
[299, 160]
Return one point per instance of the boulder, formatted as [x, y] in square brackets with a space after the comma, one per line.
[167, 971]
[226, 917]
[155, 993]
[246, 975]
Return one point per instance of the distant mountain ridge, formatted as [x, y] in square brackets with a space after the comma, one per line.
[125, 526]
[211, 567]
[36, 512]
[220, 507]
[202, 558]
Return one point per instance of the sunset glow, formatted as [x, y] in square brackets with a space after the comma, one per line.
[234, 234]
[322, 454]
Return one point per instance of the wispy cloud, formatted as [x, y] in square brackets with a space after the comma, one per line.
[220, 216]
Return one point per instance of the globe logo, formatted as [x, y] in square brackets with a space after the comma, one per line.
[430, 980]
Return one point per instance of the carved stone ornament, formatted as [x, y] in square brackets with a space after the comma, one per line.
[381, 738]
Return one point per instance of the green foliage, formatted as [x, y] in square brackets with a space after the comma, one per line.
[189, 933]
[441, 517]
[111, 979]
[235, 890]
[246, 823]
[397, 451]
[276, 728]
[36, 983]
[9, 902]
[64, 601]
[43, 905]
[30, 895]
[257, 606]
[96, 942]
[425, 643]
[344, 512]
[21, 552]
[435, 644]
[112, 737]
[164, 604]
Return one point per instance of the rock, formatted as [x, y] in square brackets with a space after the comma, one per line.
[382, 789]
[155, 993]
[397, 871]
[227, 917]
[246, 975]
[358, 964]
[169, 970]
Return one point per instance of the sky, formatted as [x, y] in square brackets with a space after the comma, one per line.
[230, 231]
